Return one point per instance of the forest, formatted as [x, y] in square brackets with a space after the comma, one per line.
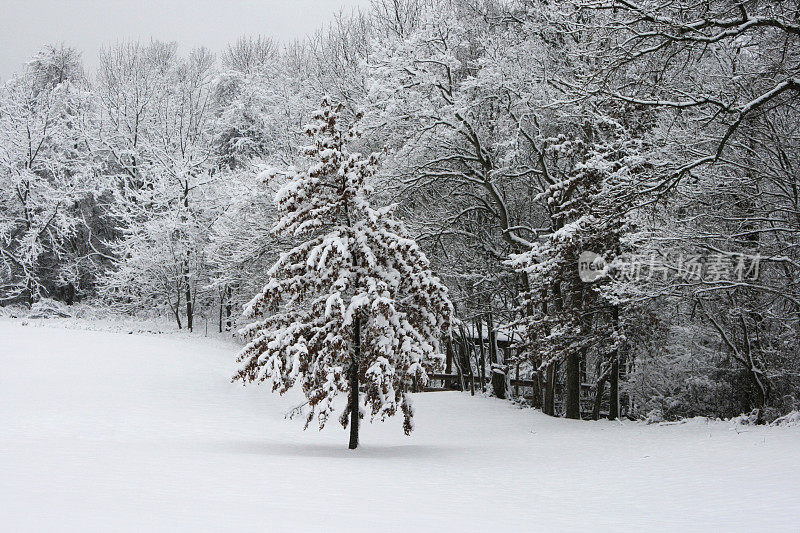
[608, 190]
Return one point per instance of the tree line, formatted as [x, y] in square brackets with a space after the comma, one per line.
[658, 141]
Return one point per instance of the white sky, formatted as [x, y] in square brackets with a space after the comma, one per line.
[27, 25]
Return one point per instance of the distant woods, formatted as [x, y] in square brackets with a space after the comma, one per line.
[514, 136]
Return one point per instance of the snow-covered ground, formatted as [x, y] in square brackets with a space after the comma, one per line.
[108, 431]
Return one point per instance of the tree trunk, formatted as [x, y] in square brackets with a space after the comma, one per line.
[186, 277]
[552, 368]
[598, 397]
[470, 355]
[457, 362]
[550, 390]
[613, 399]
[540, 390]
[463, 359]
[613, 396]
[188, 296]
[762, 396]
[573, 407]
[499, 381]
[498, 376]
[228, 309]
[177, 309]
[448, 362]
[479, 328]
[221, 307]
[537, 389]
[448, 366]
[482, 361]
[354, 407]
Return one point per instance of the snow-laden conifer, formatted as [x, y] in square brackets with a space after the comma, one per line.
[355, 305]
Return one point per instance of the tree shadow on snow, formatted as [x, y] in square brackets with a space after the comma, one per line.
[283, 449]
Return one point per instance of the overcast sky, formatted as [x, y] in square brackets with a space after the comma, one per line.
[27, 25]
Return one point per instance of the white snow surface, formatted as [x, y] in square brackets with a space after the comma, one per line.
[103, 431]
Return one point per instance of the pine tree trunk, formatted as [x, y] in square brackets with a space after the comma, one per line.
[354, 418]
[613, 400]
[573, 386]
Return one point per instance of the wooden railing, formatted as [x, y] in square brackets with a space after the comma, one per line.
[453, 382]
[514, 382]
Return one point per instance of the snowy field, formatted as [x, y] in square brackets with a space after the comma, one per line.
[110, 431]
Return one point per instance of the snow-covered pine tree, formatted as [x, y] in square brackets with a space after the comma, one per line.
[355, 306]
[580, 320]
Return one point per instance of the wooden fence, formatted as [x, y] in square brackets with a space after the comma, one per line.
[444, 382]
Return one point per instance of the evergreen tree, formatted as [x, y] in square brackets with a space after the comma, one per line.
[355, 306]
[580, 319]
